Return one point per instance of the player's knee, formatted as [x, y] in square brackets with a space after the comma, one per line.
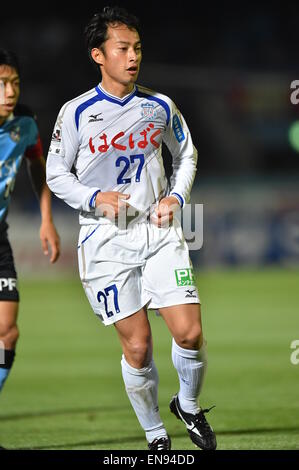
[139, 354]
[9, 334]
[191, 339]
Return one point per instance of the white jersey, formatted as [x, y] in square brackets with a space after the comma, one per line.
[101, 142]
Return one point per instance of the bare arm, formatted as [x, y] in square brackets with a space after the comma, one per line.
[48, 234]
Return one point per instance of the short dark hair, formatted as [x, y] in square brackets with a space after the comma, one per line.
[95, 33]
[9, 58]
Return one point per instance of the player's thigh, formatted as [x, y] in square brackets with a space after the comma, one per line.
[184, 323]
[8, 316]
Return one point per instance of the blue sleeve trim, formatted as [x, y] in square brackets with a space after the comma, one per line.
[93, 199]
[179, 197]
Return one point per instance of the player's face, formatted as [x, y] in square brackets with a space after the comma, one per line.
[9, 91]
[121, 56]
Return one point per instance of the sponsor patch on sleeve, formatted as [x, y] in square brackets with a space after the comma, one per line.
[55, 146]
[177, 128]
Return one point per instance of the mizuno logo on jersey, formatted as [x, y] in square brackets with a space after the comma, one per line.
[95, 118]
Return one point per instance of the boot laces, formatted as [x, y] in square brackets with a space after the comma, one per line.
[200, 419]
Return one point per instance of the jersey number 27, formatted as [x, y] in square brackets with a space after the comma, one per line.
[126, 164]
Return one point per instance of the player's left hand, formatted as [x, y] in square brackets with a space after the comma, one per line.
[165, 210]
[50, 238]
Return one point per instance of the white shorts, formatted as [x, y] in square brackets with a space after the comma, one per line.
[123, 270]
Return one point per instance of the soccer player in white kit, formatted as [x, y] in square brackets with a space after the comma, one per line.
[105, 160]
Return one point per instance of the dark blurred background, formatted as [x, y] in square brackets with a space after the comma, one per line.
[229, 69]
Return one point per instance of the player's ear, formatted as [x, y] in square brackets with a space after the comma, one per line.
[97, 55]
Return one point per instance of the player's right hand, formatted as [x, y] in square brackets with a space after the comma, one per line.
[111, 203]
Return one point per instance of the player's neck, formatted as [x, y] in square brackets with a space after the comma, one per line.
[3, 119]
[117, 89]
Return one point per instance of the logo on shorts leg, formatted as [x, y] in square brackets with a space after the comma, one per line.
[184, 277]
[190, 293]
[8, 283]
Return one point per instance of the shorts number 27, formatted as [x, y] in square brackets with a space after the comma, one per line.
[103, 295]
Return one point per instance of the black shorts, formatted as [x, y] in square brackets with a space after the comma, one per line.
[8, 275]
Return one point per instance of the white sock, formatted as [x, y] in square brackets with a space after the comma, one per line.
[142, 389]
[191, 366]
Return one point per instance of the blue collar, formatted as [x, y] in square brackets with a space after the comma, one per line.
[114, 99]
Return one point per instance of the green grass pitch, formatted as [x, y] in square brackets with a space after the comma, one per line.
[66, 390]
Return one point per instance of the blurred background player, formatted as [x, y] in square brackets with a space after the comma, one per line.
[19, 136]
[113, 136]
